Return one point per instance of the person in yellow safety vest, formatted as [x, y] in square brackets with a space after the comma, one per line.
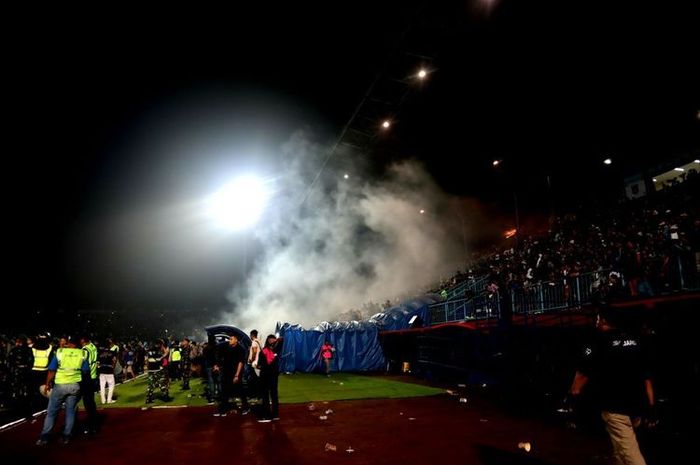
[89, 385]
[175, 358]
[113, 347]
[43, 353]
[63, 381]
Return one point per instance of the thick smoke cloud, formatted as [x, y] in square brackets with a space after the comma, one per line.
[352, 241]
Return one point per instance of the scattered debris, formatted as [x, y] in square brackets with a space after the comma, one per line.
[483, 420]
[526, 446]
[350, 450]
[462, 400]
[451, 392]
[326, 402]
[330, 446]
[340, 384]
[411, 418]
[312, 407]
[323, 417]
[461, 385]
[329, 411]
[400, 413]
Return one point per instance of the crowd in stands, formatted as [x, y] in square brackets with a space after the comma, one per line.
[642, 247]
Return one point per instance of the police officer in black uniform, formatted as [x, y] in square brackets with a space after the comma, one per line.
[615, 370]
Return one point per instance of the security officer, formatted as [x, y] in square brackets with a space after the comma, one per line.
[63, 378]
[113, 347]
[89, 384]
[20, 361]
[156, 365]
[43, 353]
[175, 358]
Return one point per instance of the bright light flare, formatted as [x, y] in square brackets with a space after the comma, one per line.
[510, 233]
[607, 161]
[386, 124]
[678, 169]
[496, 162]
[422, 74]
[346, 176]
[422, 211]
[239, 204]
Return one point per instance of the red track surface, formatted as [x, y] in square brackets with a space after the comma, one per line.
[400, 431]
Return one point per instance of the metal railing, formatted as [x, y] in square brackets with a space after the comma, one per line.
[482, 306]
[472, 286]
[565, 293]
[570, 292]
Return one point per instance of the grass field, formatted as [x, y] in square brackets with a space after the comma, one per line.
[295, 388]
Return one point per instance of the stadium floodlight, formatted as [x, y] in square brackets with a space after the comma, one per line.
[422, 74]
[239, 204]
[496, 162]
[386, 124]
[654, 179]
[346, 176]
[678, 169]
[607, 161]
[422, 211]
[697, 161]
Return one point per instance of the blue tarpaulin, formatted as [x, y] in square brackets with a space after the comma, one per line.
[398, 317]
[356, 343]
[356, 346]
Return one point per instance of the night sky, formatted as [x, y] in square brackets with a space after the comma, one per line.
[550, 87]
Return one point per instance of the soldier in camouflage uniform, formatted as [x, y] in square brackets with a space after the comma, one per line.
[20, 362]
[4, 384]
[186, 351]
[156, 364]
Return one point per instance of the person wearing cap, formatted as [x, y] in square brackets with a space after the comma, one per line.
[65, 371]
[20, 362]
